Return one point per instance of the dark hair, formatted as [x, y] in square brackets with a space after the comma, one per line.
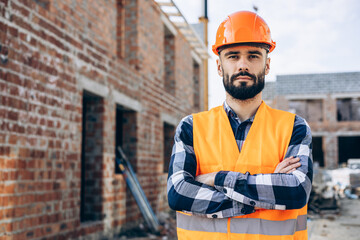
[252, 44]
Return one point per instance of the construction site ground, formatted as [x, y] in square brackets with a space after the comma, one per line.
[344, 225]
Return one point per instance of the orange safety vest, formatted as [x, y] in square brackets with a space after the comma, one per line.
[265, 146]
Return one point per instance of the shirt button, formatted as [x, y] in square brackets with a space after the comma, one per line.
[225, 191]
[214, 216]
[252, 203]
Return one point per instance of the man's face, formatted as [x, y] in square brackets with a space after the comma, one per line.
[243, 69]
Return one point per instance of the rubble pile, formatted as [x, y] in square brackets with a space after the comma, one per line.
[329, 186]
[167, 229]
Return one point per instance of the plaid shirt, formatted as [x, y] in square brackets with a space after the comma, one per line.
[236, 193]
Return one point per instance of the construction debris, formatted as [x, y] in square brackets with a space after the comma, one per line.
[345, 225]
[329, 186]
[167, 229]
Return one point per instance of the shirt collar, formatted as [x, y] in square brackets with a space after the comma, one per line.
[231, 114]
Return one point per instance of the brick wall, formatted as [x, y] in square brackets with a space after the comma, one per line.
[50, 52]
[330, 104]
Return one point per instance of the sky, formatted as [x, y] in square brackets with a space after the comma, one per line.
[321, 36]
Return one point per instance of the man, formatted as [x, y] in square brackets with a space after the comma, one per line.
[242, 170]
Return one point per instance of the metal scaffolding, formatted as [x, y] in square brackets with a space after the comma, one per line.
[173, 13]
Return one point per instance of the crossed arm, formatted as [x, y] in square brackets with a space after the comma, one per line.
[288, 165]
[228, 194]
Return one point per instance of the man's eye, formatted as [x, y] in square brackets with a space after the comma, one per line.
[253, 56]
[233, 56]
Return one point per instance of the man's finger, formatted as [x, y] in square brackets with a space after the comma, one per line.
[286, 163]
[290, 167]
[290, 161]
[207, 178]
[291, 171]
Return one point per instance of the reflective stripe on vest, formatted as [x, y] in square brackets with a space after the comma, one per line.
[242, 225]
[194, 223]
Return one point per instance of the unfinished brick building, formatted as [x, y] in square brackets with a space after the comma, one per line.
[77, 79]
[331, 104]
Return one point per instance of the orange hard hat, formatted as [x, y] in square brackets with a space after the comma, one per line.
[243, 27]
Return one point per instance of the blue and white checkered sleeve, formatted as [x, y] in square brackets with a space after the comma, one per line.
[278, 190]
[186, 194]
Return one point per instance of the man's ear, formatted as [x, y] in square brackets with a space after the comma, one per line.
[267, 66]
[219, 68]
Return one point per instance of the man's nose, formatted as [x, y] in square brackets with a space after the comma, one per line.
[243, 64]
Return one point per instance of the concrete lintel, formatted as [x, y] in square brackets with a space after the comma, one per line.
[93, 87]
[126, 101]
[318, 134]
[335, 134]
[345, 95]
[168, 24]
[348, 134]
[306, 96]
[170, 119]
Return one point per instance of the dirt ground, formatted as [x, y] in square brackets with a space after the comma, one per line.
[345, 225]
[167, 229]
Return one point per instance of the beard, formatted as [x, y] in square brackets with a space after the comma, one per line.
[242, 91]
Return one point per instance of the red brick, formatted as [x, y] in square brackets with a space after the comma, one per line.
[3, 27]
[20, 9]
[2, 135]
[9, 188]
[10, 176]
[4, 150]
[23, 23]
[13, 139]
[13, 116]
[13, 31]
[4, 2]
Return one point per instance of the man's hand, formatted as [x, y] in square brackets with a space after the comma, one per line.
[288, 165]
[207, 179]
